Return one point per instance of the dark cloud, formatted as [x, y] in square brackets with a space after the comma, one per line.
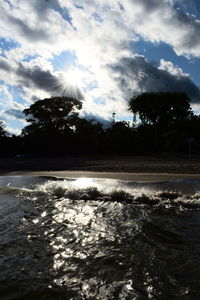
[4, 65]
[42, 79]
[150, 6]
[32, 34]
[45, 80]
[151, 79]
[191, 38]
[35, 76]
[42, 7]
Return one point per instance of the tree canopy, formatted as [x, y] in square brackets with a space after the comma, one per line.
[55, 128]
[161, 108]
[3, 132]
[51, 113]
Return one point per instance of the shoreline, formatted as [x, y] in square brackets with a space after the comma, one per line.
[137, 177]
[129, 168]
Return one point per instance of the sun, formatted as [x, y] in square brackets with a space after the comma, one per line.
[72, 77]
[71, 82]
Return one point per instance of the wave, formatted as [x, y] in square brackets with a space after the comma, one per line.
[185, 193]
[98, 239]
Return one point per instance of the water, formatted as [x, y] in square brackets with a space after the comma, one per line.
[99, 239]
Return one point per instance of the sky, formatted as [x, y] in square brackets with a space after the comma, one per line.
[102, 52]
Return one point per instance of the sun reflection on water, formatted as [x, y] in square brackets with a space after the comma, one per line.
[82, 232]
[84, 183]
[86, 219]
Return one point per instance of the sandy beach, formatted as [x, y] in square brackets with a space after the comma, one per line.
[139, 177]
[131, 168]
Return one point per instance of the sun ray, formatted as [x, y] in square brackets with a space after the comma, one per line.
[71, 83]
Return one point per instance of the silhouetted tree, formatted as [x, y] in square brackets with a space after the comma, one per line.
[88, 135]
[161, 108]
[51, 124]
[7, 142]
[167, 113]
[120, 138]
[56, 128]
[3, 132]
[52, 112]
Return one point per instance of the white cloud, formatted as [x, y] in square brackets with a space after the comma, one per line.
[4, 91]
[44, 33]
[172, 69]
[107, 23]
[12, 130]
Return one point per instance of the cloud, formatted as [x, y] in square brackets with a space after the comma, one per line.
[6, 95]
[47, 81]
[57, 25]
[156, 20]
[38, 22]
[153, 20]
[136, 75]
[4, 65]
[38, 75]
[95, 118]
[13, 131]
[16, 113]
[31, 34]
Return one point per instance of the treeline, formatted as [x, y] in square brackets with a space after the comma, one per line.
[162, 122]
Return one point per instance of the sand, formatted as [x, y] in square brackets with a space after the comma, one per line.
[131, 168]
[137, 177]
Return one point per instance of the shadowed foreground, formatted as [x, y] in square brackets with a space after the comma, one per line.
[129, 164]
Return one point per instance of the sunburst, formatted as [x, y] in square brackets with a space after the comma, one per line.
[71, 83]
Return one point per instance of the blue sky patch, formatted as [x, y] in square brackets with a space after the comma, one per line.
[66, 58]
[98, 18]
[7, 45]
[79, 6]
[191, 6]
[28, 58]
[153, 52]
